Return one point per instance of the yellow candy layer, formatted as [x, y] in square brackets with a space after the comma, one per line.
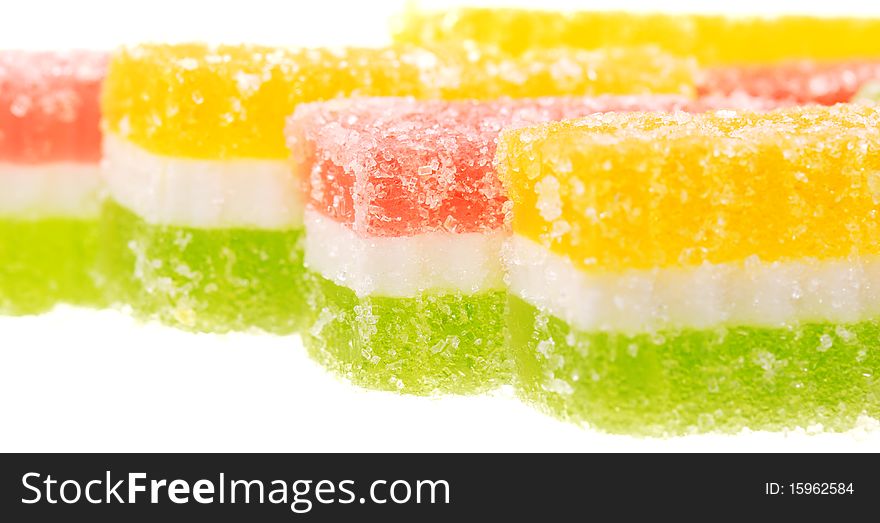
[200, 101]
[645, 190]
[711, 39]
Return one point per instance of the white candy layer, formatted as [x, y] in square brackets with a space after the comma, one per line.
[403, 266]
[753, 293]
[62, 189]
[261, 194]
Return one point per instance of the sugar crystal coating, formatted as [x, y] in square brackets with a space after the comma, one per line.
[722, 379]
[204, 280]
[645, 190]
[200, 101]
[399, 166]
[424, 345]
[49, 106]
[801, 82]
[712, 39]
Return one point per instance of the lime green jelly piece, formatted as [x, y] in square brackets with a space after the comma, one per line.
[432, 344]
[47, 261]
[720, 380]
[206, 280]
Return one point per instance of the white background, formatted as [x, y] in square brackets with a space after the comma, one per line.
[79, 380]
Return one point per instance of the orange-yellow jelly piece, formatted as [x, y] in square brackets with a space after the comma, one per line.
[642, 190]
[712, 39]
[221, 102]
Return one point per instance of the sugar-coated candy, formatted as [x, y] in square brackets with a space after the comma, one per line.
[712, 39]
[404, 224]
[50, 148]
[802, 82]
[204, 222]
[687, 273]
[209, 102]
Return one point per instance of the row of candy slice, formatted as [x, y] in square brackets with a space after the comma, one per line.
[681, 273]
[367, 320]
[65, 85]
[50, 147]
[62, 89]
[798, 58]
[712, 39]
[651, 291]
[205, 221]
[404, 222]
[178, 115]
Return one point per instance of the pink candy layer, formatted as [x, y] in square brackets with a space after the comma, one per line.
[400, 167]
[49, 106]
[800, 82]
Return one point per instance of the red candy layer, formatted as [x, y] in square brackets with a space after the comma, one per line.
[400, 167]
[49, 106]
[800, 82]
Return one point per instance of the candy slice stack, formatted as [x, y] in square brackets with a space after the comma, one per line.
[712, 39]
[671, 274]
[404, 223]
[50, 147]
[204, 221]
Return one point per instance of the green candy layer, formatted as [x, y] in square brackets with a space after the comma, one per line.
[207, 280]
[432, 344]
[687, 381]
[47, 261]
